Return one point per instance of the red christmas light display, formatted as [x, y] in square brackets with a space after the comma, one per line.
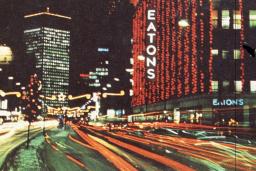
[181, 51]
[138, 67]
[242, 75]
[211, 45]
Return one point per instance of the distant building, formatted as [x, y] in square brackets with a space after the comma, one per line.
[47, 39]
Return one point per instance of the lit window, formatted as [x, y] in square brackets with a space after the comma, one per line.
[224, 54]
[253, 86]
[225, 84]
[215, 18]
[236, 54]
[238, 86]
[215, 86]
[215, 52]
[237, 20]
[225, 19]
[252, 18]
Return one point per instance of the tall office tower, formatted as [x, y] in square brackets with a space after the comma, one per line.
[47, 39]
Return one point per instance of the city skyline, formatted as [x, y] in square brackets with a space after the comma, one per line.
[136, 85]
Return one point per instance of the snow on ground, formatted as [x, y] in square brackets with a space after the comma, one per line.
[41, 156]
[26, 159]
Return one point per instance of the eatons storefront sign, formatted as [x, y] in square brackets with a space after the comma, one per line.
[227, 102]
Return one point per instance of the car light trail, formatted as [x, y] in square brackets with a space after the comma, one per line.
[69, 156]
[79, 142]
[75, 161]
[219, 154]
[115, 159]
[163, 160]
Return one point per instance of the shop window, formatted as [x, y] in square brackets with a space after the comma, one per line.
[238, 86]
[236, 54]
[236, 20]
[253, 86]
[215, 52]
[225, 19]
[215, 18]
[252, 18]
[225, 54]
[215, 86]
[225, 84]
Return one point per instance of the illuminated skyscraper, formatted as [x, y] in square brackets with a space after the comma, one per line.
[47, 40]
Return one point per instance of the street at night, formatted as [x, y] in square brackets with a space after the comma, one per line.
[129, 85]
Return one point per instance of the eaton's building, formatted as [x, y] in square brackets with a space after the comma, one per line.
[47, 40]
[189, 60]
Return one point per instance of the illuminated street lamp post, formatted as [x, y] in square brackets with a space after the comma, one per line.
[183, 23]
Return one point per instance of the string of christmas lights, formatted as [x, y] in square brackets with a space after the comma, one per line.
[242, 70]
[210, 61]
[181, 54]
[167, 70]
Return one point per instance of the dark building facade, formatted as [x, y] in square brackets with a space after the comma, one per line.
[202, 73]
[107, 54]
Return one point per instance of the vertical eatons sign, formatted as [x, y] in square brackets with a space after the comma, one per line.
[151, 49]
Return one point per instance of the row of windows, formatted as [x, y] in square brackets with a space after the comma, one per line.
[225, 53]
[56, 49]
[227, 15]
[52, 87]
[61, 62]
[55, 103]
[53, 72]
[54, 91]
[51, 30]
[54, 67]
[56, 43]
[54, 80]
[53, 58]
[59, 36]
[237, 85]
[56, 77]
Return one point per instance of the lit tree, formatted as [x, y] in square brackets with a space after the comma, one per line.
[31, 101]
[33, 105]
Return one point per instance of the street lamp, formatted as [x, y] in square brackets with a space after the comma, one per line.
[130, 70]
[117, 79]
[109, 85]
[141, 58]
[183, 23]
[10, 78]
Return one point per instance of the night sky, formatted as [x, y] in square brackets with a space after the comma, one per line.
[91, 27]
